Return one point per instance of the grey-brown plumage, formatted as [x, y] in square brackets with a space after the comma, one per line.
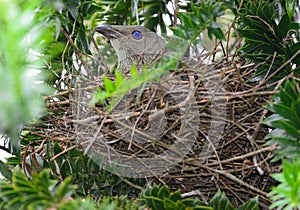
[133, 44]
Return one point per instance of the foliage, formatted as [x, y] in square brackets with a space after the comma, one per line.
[161, 198]
[151, 13]
[40, 192]
[285, 120]
[119, 203]
[286, 194]
[274, 46]
[20, 54]
[5, 170]
[88, 176]
[272, 42]
[202, 16]
[68, 18]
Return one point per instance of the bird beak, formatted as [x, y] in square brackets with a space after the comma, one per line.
[108, 31]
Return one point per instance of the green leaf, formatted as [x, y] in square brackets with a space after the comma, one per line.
[175, 196]
[296, 111]
[220, 202]
[14, 161]
[289, 128]
[286, 142]
[57, 28]
[56, 148]
[65, 189]
[272, 120]
[286, 194]
[252, 204]
[5, 171]
[288, 93]
[154, 191]
[156, 203]
[66, 168]
[163, 192]
[83, 41]
[217, 32]
[109, 85]
[169, 204]
[290, 6]
[284, 25]
[72, 6]
[119, 79]
[284, 111]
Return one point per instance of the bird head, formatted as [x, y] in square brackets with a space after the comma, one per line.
[133, 44]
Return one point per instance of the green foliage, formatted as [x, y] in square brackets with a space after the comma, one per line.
[286, 194]
[161, 198]
[89, 177]
[40, 192]
[150, 13]
[202, 16]
[22, 41]
[69, 26]
[268, 43]
[290, 6]
[285, 120]
[119, 203]
[70, 16]
[5, 170]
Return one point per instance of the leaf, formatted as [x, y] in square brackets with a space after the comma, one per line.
[284, 111]
[57, 28]
[56, 148]
[5, 171]
[296, 112]
[289, 128]
[290, 6]
[220, 202]
[65, 189]
[286, 142]
[72, 6]
[175, 196]
[79, 164]
[169, 204]
[154, 190]
[83, 41]
[284, 25]
[252, 204]
[109, 85]
[163, 192]
[286, 194]
[217, 32]
[65, 168]
[156, 203]
[272, 120]
[119, 79]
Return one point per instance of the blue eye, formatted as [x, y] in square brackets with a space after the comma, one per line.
[137, 34]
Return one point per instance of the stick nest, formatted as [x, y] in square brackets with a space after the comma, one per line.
[198, 129]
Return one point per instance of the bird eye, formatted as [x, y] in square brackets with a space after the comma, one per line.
[137, 34]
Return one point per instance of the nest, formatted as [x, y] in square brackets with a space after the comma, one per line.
[198, 129]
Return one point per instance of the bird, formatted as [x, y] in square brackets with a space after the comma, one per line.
[133, 45]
